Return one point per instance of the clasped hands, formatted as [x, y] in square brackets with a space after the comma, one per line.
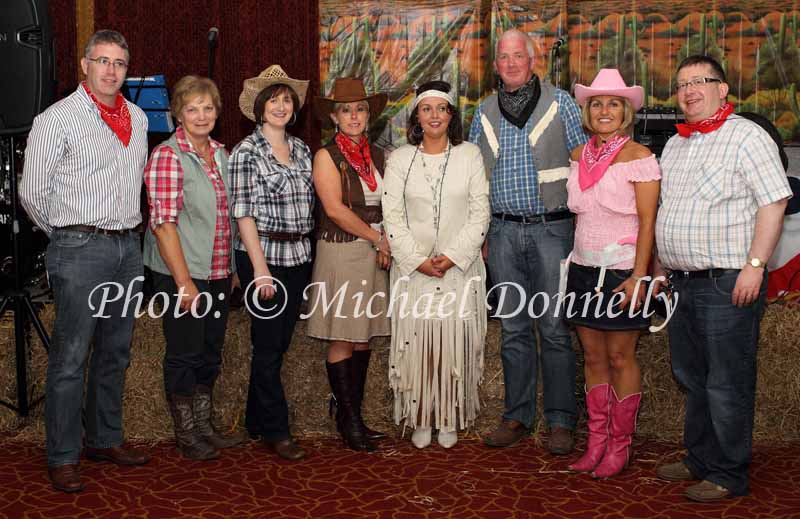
[436, 266]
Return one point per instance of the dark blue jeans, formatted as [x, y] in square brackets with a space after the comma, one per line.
[713, 345]
[77, 263]
[267, 413]
[529, 255]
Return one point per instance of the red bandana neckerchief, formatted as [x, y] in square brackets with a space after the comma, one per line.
[117, 118]
[706, 125]
[359, 158]
[595, 161]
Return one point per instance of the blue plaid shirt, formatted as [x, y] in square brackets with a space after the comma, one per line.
[514, 186]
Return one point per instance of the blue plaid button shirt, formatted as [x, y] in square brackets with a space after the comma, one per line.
[514, 187]
[280, 198]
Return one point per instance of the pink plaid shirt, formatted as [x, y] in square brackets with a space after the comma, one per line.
[163, 177]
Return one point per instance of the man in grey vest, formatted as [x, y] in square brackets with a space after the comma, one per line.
[526, 132]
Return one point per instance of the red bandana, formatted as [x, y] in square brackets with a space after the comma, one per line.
[706, 125]
[595, 161]
[358, 157]
[117, 118]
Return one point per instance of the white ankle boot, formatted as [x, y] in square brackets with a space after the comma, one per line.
[421, 437]
[447, 438]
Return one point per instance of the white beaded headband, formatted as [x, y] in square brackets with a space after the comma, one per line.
[433, 93]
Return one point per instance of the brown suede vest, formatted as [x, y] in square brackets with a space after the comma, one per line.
[352, 196]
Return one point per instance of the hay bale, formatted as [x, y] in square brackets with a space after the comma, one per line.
[305, 381]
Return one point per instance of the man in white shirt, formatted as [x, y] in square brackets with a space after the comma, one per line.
[81, 185]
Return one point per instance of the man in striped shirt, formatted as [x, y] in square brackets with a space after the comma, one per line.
[526, 133]
[723, 195]
[81, 185]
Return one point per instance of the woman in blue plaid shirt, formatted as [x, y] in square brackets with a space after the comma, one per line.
[272, 199]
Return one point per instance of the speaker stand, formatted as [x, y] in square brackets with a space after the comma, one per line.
[18, 299]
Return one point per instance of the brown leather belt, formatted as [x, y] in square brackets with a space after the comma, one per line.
[282, 236]
[97, 230]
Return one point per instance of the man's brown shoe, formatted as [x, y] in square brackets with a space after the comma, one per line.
[675, 472]
[120, 455]
[507, 434]
[65, 478]
[287, 449]
[560, 442]
[707, 492]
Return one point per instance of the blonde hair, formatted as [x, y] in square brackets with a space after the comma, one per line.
[190, 86]
[628, 118]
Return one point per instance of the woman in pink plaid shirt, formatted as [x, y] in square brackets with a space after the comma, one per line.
[189, 249]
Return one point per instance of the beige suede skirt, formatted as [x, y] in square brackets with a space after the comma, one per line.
[348, 297]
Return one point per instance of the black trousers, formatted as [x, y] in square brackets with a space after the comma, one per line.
[193, 354]
[272, 324]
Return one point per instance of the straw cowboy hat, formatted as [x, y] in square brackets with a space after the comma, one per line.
[271, 75]
[610, 83]
[348, 90]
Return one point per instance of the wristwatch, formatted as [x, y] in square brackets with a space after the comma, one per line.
[756, 263]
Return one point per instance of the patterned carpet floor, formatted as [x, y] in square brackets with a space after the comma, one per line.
[397, 482]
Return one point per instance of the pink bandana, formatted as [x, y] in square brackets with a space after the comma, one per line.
[595, 161]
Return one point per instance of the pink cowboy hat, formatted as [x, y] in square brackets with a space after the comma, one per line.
[609, 82]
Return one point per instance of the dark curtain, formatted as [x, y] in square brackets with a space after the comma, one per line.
[62, 21]
[170, 38]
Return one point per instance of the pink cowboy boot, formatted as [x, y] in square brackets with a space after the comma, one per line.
[623, 425]
[597, 408]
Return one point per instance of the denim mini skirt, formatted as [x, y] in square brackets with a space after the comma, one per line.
[584, 306]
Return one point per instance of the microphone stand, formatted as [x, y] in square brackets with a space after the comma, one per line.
[212, 49]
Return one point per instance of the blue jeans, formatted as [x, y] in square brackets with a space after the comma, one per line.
[713, 346]
[77, 262]
[529, 256]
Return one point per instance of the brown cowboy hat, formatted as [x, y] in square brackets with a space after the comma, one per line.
[272, 75]
[348, 90]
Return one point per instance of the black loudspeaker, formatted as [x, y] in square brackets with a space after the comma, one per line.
[28, 63]
[654, 127]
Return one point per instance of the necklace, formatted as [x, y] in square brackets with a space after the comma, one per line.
[436, 190]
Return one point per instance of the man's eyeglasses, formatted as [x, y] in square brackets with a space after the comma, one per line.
[696, 82]
[104, 62]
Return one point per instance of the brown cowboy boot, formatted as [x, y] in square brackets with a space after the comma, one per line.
[203, 407]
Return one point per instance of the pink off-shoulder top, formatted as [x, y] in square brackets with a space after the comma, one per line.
[606, 212]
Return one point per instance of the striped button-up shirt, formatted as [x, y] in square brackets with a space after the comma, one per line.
[279, 197]
[77, 172]
[712, 185]
[514, 185]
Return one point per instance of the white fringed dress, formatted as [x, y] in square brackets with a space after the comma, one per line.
[438, 324]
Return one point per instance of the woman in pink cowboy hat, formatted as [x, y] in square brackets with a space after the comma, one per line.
[613, 189]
